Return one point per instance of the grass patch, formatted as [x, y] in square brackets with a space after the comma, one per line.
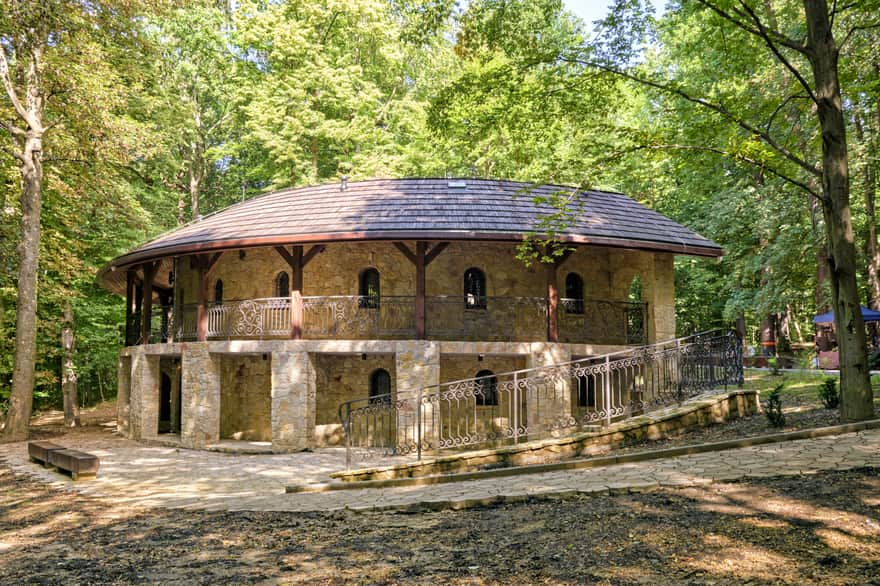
[801, 388]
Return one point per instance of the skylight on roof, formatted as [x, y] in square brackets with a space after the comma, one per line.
[457, 184]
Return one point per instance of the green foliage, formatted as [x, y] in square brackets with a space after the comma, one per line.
[773, 407]
[828, 393]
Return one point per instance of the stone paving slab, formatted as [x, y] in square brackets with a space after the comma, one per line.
[140, 475]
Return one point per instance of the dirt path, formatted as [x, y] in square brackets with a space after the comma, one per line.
[817, 529]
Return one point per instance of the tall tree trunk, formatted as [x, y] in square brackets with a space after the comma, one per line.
[68, 371]
[30, 139]
[21, 399]
[855, 389]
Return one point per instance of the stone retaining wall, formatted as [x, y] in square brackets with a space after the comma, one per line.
[705, 410]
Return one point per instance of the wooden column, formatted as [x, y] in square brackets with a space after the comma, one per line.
[421, 259]
[296, 293]
[553, 295]
[297, 260]
[552, 304]
[149, 270]
[129, 300]
[204, 265]
[421, 247]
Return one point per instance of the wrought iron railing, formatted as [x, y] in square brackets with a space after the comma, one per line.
[355, 317]
[554, 400]
[352, 317]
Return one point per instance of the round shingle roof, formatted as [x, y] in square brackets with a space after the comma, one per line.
[419, 209]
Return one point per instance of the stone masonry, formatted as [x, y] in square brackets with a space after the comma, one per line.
[293, 401]
[200, 395]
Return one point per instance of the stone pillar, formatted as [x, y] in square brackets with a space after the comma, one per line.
[293, 401]
[417, 366]
[200, 396]
[146, 380]
[123, 396]
[659, 292]
[548, 405]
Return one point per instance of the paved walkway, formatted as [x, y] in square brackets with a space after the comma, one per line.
[135, 474]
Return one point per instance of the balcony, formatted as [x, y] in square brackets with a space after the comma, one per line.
[485, 319]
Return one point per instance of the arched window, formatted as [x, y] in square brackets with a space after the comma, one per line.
[486, 388]
[380, 386]
[369, 289]
[218, 292]
[574, 293]
[282, 285]
[586, 390]
[474, 289]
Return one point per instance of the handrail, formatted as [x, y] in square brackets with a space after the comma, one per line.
[547, 400]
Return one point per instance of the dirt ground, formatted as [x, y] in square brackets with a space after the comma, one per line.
[820, 529]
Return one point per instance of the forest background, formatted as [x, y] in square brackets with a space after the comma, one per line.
[160, 112]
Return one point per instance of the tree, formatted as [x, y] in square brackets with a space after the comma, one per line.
[811, 58]
[57, 60]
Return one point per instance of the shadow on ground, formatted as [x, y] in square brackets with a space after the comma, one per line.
[822, 528]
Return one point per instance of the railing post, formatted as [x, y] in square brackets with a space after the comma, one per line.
[607, 390]
[419, 426]
[515, 398]
[348, 436]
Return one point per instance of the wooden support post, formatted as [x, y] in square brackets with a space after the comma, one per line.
[421, 259]
[552, 304]
[296, 296]
[202, 300]
[553, 295]
[149, 269]
[129, 300]
[204, 264]
[420, 290]
[297, 260]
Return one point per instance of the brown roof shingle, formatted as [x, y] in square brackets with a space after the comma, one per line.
[428, 209]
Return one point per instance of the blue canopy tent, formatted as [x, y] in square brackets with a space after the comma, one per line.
[869, 315]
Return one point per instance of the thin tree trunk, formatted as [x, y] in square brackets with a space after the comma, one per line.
[869, 185]
[855, 389]
[68, 371]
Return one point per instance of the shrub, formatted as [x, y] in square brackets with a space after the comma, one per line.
[773, 407]
[828, 393]
[773, 363]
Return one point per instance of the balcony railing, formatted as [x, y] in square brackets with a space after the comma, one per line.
[505, 319]
[554, 400]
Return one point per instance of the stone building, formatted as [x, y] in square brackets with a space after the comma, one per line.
[258, 321]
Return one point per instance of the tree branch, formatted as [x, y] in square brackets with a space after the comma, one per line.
[718, 108]
[12, 129]
[13, 95]
[733, 156]
[764, 34]
[777, 36]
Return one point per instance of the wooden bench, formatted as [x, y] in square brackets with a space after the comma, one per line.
[39, 451]
[79, 464]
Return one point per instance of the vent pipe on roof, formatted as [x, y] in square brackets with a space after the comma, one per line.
[344, 184]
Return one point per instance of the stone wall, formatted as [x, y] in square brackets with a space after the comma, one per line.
[245, 398]
[340, 378]
[606, 272]
[461, 367]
